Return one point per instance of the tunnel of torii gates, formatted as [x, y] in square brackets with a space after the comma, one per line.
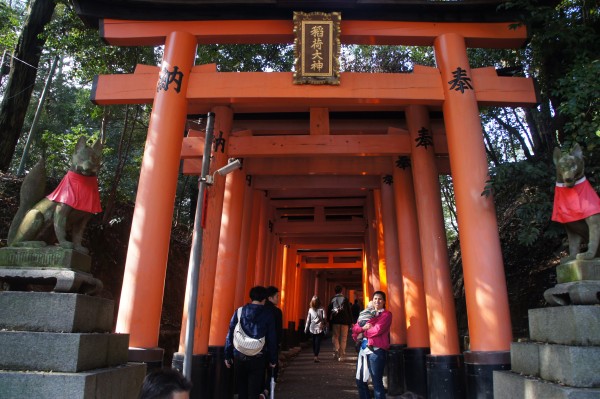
[325, 195]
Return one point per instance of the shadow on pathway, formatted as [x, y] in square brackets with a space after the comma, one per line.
[329, 379]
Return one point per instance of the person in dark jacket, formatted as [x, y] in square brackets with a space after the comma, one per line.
[257, 321]
[340, 319]
[271, 303]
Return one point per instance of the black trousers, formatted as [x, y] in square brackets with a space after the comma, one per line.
[250, 375]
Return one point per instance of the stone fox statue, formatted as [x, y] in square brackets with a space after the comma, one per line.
[576, 204]
[69, 207]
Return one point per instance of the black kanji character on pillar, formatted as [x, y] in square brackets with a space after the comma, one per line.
[403, 162]
[166, 78]
[424, 138]
[388, 179]
[461, 81]
[220, 142]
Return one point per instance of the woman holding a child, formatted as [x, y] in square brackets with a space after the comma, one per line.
[375, 342]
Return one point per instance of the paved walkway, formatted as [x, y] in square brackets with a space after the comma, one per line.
[329, 379]
[304, 379]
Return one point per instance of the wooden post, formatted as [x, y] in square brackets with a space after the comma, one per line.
[145, 267]
[443, 333]
[242, 269]
[417, 332]
[381, 268]
[227, 259]
[485, 284]
[395, 291]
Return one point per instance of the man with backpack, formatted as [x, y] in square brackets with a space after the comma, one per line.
[252, 342]
[340, 319]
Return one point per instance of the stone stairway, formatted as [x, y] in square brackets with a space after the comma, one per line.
[59, 345]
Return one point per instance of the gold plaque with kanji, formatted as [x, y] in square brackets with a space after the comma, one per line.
[317, 48]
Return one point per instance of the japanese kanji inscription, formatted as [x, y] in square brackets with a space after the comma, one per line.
[317, 48]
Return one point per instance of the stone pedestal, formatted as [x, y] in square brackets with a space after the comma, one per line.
[59, 345]
[66, 270]
[560, 360]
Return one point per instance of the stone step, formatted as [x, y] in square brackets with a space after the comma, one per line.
[55, 312]
[123, 382]
[576, 366]
[70, 353]
[510, 385]
[566, 325]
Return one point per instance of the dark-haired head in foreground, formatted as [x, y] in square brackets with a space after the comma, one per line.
[165, 384]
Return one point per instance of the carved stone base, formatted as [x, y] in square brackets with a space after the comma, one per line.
[44, 256]
[574, 293]
[578, 270]
[68, 270]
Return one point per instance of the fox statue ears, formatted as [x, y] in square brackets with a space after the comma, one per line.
[82, 142]
[575, 151]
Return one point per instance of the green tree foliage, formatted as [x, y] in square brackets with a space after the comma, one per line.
[247, 57]
[10, 23]
[22, 77]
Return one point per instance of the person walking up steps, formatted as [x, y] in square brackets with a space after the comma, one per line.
[340, 319]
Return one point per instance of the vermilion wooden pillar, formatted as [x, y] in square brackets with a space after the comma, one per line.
[372, 242]
[227, 259]
[443, 333]
[444, 367]
[242, 268]
[365, 273]
[485, 286]
[287, 284]
[210, 239]
[395, 295]
[225, 282]
[278, 263]
[261, 246]
[270, 256]
[253, 243]
[145, 268]
[417, 331]
[395, 291]
[381, 254]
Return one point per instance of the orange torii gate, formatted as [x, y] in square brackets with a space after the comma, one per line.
[202, 90]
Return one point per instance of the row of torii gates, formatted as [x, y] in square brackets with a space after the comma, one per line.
[402, 249]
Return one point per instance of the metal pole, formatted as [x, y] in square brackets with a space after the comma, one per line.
[196, 251]
[36, 118]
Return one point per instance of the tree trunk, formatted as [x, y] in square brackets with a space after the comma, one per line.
[22, 78]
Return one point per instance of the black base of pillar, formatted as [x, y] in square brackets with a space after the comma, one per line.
[202, 386]
[445, 377]
[292, 337]
[395, 367]
[153, 357]
[415, 370]
[220, 376]
[479, 367]
[285, 345]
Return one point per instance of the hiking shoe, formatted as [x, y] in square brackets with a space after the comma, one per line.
[335, 354]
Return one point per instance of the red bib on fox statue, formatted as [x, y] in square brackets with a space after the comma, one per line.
[79, 192]
[575, 203]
